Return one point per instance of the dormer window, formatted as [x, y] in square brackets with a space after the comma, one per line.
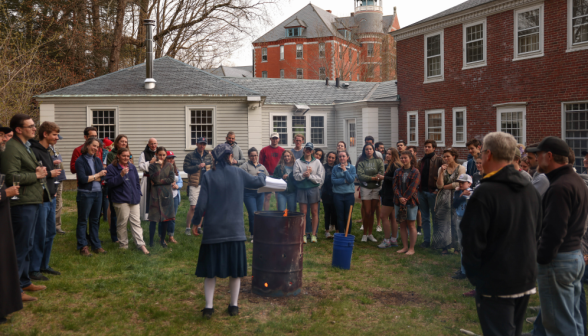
[294, 32]
[346, 33]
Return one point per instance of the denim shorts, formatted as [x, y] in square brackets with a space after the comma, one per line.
[411, 213]
[308, 196]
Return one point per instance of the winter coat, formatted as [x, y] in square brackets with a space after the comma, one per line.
[316, 178]
[192, 166]
[431, 179]
[42, 154]
[119, 189]
[161, 202]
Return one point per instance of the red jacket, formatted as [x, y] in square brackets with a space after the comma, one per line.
[76, 154]
[269, 157]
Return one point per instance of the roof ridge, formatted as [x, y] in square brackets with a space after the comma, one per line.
[369, 95]
[283, 22]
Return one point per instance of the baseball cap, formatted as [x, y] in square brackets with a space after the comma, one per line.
[59, 137]
[464, 178]
[274, 135]
[551, 144]
[170, 154]
[5, 130]
[309, 145]
[107, 142]
[202, 140]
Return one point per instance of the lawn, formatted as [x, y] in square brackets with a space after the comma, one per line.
[127, 293]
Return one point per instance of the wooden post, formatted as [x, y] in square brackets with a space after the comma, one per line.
[348, 220]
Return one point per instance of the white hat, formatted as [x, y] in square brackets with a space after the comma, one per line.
[464, 178]
[275, 135]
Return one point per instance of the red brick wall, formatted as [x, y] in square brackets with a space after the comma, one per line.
[543, 82]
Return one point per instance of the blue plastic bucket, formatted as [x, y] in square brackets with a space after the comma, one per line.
[342, 250]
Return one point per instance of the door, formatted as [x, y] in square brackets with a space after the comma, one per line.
[351, 136]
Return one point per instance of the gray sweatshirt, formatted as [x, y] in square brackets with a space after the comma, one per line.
[238, 154]
[316, 178]
[254, 170]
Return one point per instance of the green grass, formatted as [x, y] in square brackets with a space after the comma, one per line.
[127, 293]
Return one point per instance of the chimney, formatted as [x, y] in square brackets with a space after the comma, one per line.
[352, 14]
[337, 82]
[329, 11]
[327, 83]
[149, 56]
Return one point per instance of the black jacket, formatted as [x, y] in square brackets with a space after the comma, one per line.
[565, 208]
[387, 191]
[500, 228]
[42, 154]
[327, 188]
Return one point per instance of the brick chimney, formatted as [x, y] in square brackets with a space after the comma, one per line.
[329, 11]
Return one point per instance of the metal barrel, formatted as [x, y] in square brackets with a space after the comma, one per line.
[277, 253]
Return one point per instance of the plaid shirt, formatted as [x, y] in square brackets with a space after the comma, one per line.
[411, 192]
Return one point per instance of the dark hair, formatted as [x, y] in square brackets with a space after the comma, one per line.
[322, 160]
[413, 161]
[348, 157]
[230, 133]
[158, 149]
[369, 137]
[88, 143]
[18, 121]
[363, 155]
[400, 141]
[453, 153]
[571, 158]
[474, 142]
[118, 139]
[414, 148]
[327, 156]
[252, 149]
[88, 129]
[47, 127]
[122, 150]
[432, 142]
[533, 145]
[378, 144]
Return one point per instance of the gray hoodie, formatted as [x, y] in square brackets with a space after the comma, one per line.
[238, 154]
[316, 178]
[254, 170]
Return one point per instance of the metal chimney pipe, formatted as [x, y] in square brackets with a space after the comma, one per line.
[149, 56]
[327, 83]
[337, 82]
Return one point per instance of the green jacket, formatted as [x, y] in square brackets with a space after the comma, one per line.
[279, 174]
[17, 160]
[367, 169]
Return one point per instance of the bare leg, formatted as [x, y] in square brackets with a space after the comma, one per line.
[190, 215]
[404, 236]
[303, 209]
[386, 221]
[378, 218]
[419, 220]
[365, 211]
[394, 223]
[315, 219]
[373, 207]
[413, 236]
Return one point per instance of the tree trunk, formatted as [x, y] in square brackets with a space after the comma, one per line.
[96, 38]
[117, 38]
[140, 52]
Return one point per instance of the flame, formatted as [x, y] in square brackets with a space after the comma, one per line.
[266, 284]
[286, 213]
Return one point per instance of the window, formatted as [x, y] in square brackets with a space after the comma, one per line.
[575, 130]
[293, 32]
[299, 74]
[351, 76]
[321, 50]
[281, 127]
[529, 32]
[370, 49]
[346, 33]
[264, 74]
[322, 73]
[459, 127]
[317, 129]
[474, 44]
[412, 125]
[357, 60]
[350, 55]
[281, 52]
[511, 120]
[299, 51]
[104, 120]
[435, 126]
[434, 57]
[340, 51]
[577, 25]
[282, 73]
[264, 54]
[298, 126]
[200, 123]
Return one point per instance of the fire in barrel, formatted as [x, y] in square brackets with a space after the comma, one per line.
[277, 253]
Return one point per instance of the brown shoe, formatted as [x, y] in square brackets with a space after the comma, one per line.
[27, 298]
[34, 288]
[99, 250]
[85, 251]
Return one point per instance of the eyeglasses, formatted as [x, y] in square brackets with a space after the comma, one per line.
[31, 127]
[253, 155]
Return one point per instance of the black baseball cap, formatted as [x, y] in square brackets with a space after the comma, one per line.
[551, 144]
[5, 130]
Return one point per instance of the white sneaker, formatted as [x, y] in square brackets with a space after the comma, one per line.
[327, 235]
[364, 239]
[419, 234]
[331, 227]
[379, 228]
[372, 239]
[251, 239]
[385, 244]
[304, 240]
[361, 228]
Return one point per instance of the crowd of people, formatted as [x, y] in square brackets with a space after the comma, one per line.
[516, 215]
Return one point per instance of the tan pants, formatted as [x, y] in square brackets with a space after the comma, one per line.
[124, 213]
[58, 207]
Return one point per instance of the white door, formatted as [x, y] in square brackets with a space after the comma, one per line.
[351, 136]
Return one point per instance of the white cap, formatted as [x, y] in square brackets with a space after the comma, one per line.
[275, 135]
[464, 178]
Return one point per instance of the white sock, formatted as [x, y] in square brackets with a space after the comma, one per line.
[392, 239]
[209, 284]
[234, 286]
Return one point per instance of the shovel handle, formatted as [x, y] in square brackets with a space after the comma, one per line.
[348, 220]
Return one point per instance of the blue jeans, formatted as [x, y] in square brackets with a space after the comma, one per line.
[43, 240]
[89, 205]
[253, 202]
[286, 201]
[342, 204]
[105, 204]
[560, 289]
[24, 218]
[309, 220]
[427, 206]
[113, 221]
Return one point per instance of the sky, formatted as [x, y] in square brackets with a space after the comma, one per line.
[408, 12]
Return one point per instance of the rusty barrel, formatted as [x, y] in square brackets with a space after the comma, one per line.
[277, 253]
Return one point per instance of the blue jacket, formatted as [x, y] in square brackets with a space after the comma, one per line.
[221, 197]
[343, 182]
[460, 202]
[119, 189]
[83, 171]
[471, 168]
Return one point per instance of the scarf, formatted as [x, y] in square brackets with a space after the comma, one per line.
[149, 154]
[426, 164]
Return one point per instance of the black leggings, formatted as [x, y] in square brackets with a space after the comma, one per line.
[162, 230]
[330, 215]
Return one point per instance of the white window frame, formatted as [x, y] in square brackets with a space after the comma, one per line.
[437, 111]
[465, 127]
[533, 54]
[281, 53]
[264, 55]
[282, 73]
[563, 118]
[90, 116]
[512, 108]
[571, 45]
[440, 77]
[301, 76]
[323, 75]
[408, 115]
[483, 62]
[188, 109]
[301, 51]
[264, 74]
[370, 53]
[308, 116]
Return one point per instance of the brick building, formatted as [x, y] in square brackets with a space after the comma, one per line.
[315, 44]
[518, 66]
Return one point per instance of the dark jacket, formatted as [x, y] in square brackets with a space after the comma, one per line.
[565, 208]
[471, 168]
[83, 171]
[221, 197]
[327, 188]
[387, 190]
[291, 182]
[500, 227]
[436, 162]
[120, 190]
[191, 166]
[412, 187]
[43, 155]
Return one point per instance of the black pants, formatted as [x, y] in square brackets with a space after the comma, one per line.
[330, 215]
[501, 317]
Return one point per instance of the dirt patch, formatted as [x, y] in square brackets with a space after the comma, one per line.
[309, 289]
[395, 298]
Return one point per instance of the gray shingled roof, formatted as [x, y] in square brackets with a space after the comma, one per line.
[314, 92]
[173, 77]
[385, 91]
[225, 71]
[453, 10]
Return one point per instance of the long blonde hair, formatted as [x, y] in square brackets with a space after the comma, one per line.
[282, 162]
[395, 158]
